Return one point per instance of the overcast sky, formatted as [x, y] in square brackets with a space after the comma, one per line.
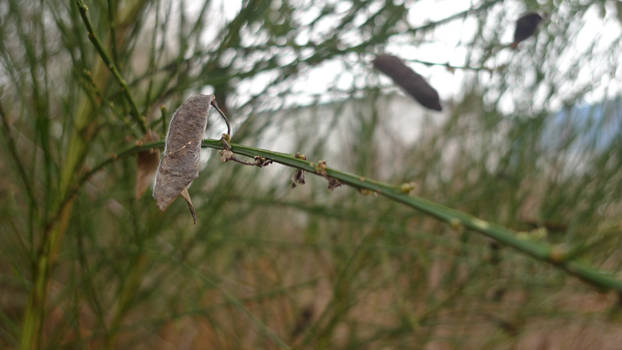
[446, 45]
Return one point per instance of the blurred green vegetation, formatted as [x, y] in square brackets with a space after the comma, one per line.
[88, 265]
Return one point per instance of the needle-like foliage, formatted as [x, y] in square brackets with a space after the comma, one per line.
[461, 229]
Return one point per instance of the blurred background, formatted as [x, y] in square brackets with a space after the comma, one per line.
[528, 138]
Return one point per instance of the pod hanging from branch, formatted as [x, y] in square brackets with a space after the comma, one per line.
[526, 26]
[411, 82]
[179, 165]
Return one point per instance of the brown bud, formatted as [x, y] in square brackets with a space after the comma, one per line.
[298, 178]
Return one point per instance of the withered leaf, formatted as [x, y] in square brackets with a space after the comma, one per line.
[186, 196]
[146, 164]
[411, 82]
[298, 178]
[526, 25]
[180, 161]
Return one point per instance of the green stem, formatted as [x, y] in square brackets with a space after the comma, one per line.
[142, 123]
[15, 155]
[451, 67]
[51, 235]
[539, 251]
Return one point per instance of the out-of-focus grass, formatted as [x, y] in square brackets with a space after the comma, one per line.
[269, 266]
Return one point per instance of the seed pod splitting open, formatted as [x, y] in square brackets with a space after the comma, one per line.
[411, 82]
[179, 165]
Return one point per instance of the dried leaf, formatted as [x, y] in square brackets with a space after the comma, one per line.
[180, 162]
[261, 162]
[333, 183]
[411, 82]
[526, 25]
[186, 196]
[146, 164]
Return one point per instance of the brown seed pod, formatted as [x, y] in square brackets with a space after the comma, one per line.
[180, 162]
[146, 164]
[526, 26]
[411, 82]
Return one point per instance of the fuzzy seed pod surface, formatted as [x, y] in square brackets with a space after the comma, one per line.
[180, 161]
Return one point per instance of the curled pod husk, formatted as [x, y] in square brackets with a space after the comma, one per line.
[411, 82]
[180, 161]
[146, 164]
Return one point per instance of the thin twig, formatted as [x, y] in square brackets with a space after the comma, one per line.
[91, 84]
[113, 32]
[430, 25]
[540, 251]
[15, 155]
[451, 67]
[222, 114]
[142, 123]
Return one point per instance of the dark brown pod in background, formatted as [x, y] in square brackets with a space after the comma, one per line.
[411, 82]
[526, 26]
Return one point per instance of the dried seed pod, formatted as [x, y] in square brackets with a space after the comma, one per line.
[180, 162]
[411, 82]
[146, 164]
[526, 25]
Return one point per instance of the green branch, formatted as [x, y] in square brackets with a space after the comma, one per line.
[16, 158]
[553, 255]
[142, 123]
